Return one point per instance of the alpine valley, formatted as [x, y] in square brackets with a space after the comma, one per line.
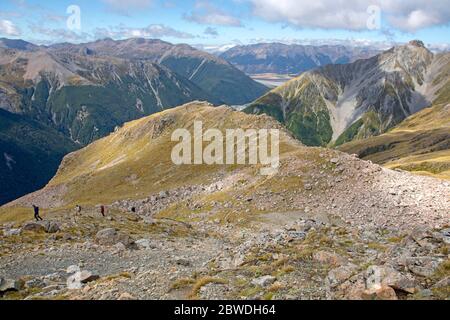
[335, 104]
[85, 91]
[86, 138]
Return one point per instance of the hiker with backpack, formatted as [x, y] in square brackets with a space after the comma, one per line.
[36, 213]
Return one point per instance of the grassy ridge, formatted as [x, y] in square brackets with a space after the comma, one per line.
[420, 144]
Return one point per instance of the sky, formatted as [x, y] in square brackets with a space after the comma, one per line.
[215, 23]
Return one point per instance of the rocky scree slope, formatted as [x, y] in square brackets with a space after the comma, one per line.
[320, 228]
[136, 160]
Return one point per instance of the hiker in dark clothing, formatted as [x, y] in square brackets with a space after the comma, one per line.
[102, 210]
[36, 213]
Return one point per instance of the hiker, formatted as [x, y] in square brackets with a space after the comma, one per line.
[102, 210]
[36, 213]
[78, 209]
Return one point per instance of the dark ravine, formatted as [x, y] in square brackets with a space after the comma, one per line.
[30, 154]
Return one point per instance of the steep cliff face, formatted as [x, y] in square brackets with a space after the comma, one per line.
[340, 103]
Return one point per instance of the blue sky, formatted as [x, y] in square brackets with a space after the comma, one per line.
[215, 23]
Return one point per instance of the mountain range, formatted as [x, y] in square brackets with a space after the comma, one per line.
[319, 227]
[335, 104]
[86, 91]
[212, 74]
[291, 59]
[79, 93]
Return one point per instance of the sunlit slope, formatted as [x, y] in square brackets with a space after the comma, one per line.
[420, 144]
[133, 166]
[136, 160]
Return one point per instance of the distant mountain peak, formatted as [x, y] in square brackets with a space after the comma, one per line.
[417, 43]
[340, 103]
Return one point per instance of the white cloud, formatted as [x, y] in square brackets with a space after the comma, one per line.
[9, 29]
[59, 35]
[151, 31]
[409, 16]
[211, 31]
[124, 6]
[206, 13]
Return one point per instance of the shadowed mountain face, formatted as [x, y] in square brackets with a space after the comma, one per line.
[17, 44]
[30, 153]
[86, 97]
[291, 59]
[340, 103]
[212, 74]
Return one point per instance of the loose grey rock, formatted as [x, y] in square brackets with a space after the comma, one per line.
[264, 281]
[144, 244]
[12, 232]
[33, 226]
[8, 285]
[110, 237]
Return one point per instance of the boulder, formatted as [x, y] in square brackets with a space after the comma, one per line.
[383, 293]
[33, 226]
[86, 276]
[145, 244]
[340, 274]
[110, 237]
[72, 269]
[7, 285]
[378, 277]
[35, 283]
[73, 282]
[52, 227]
[422, 266]
[12, 232]
[263, 281]
[42, 226]
[79, 278]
